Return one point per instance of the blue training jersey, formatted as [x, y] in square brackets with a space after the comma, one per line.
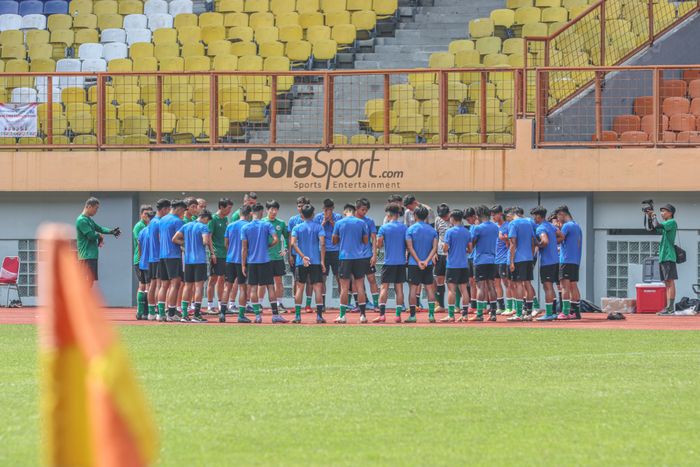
[502, 250]
[350, 231]
[233, 233]
[258, 234]
[144, 247]
[422, 236]
[521, 229]
[572, 244]
[549, 254]
[372, 227]
[457, 239]
[154, 239]
[293, 222]
[309, 235]
[168, 227]
[394, 235]
[195, 251]
[328, 229]
[485, 237]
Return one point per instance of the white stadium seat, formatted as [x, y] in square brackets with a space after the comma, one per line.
[10, 22]
[68, 65]
[152, 7]
[43, 94]
[115, 50]
[34, 22]
[94, 64]
[159, 21]
[137, 35]
[90, 51]
[180, 6]
[24, 95]
[135, 22]
[112, 35]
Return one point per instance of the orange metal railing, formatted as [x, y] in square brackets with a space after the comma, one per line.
[296, 109]
[606, 33]
[652, 106]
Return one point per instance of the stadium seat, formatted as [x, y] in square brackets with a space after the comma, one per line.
[362, 139]
[503, 17]
[649, 124]
[481, 27]
[339, 139]
[675, 105]
[673, 88]
[113, 35]
[634, 137]
[441, 60]
[687, 137]
[344, 35]
[306, 20]
[178, 7]
[31, 7]
[291, 33]
[527, 15]
[682, 122]
[298, 52]
[623, 123]
[385, 8]
[261, 19]
[160, 21]
[488, 45]
[460, 45]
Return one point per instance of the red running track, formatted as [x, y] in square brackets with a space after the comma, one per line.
[126, 316]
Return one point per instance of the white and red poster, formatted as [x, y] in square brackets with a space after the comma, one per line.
[18, 120]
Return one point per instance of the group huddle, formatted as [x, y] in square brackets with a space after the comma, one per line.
[477, 260]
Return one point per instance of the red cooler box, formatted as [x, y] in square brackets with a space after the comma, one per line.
[651, 297]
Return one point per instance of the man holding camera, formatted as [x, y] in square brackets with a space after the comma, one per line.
[89, 236]
[668, 229]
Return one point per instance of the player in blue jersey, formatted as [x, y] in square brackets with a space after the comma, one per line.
[352, 235]
[361, 208]
[522, 249]
[546, 238]
[143, 249]
[162, 209]
[442, 223]
[308, 242]
[327, 219]
[421, 242]
[195, 238]
[484, 239]
[472, 221]
[293, 222]
[498, 216]
[456, 248]
[235, 280]
[392, 237]
[170, 262]
[571, 239]
[256, 238]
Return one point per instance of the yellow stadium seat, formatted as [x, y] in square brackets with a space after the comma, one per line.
[103, 7]
[357, 5]
[344, 35]
[261, 20]
[27, 140]
[365, 20]
[135, 125]
[17, 66]
[291, 33]
[467, 58]
[141, 49]
[120, 65]
[317, 33]
[415, 79]
[166, 50]
[40, 52]
[88, 21]
[78, 7]
[376, 105]
[182, 109]
[279, 7]
[284, 83]
[202, 109]
[271, 49]
[527, 15]
[211, 18]
[517, 60]
[385, 8]
[441, 60]
[554, 27]
[333, 5]
[164, 36]
[427, 91]
[325, 49]
[130, 7]
[362, 139]
[62, 37]
[306, 20]
[14, 51]
[171, 64]
[109, 21]
[196, 63]
[498, 122]
[406, 107]
[266, 34]
[457, 91]
[466, 124]
[495, 60]
[225, 63]
[194, 49]
[488, 45]
[187, 130]
[235, 19]
[132, 140]
[226, 6]
[231, 93]
[73, 95]
[128, 93]
[503, 17]
[36, 36]
[250, 63]
[87, 140]
[167, 122]
[298, 51]
[56, 22]
[82, 123]
[514, 45]
[339, 139]
[11, 37]
[460, 44]
[547, 3]
[535, 30]
[287, 19]
[243, 48]
[42, 65]
[481, 27]
[145, 64]
[240, 33]
[236, 111]
[184, 20]
[555, 15]
[128, 109]
[189, 34]
[407, 125]
[86, 36]
[376, 121]
[220, 47]
[337, 17]
[213, 33]
[253, 6]
[393, 139]
[308, 6]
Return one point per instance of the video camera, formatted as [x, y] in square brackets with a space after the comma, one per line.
[647, 207]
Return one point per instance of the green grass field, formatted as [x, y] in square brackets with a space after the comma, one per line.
[394, 396]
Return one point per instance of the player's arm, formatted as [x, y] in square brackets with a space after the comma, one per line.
[373, 260]
[411, 250]
[380, 240]
[513, 247]
[336, 239]
[543, 240]
[533, 246]
[322, 244]
[179, 238]
[295, 246]
[206, 239]
[433, 251]
[244, 255]
[226, 243]
[560, 236]
[275, 240]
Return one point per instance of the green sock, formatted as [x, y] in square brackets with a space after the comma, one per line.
[549, 309]
[151, 309]
[375, 299]
[458, 300]
[141, 302]
[184, 305]
[343, 309]
[519, 307]
[480, 306]
[297, 311]
[308, 301]
[161, 309]
[257, 308]
[536, 303]
[451, 311]
[509, 304]
[399, 310]
[566, 307]
[241, 311]
[431, 309]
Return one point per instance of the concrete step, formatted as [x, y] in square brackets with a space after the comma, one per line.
[418, 36]
[403, 49]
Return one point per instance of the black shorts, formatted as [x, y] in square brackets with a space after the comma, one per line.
[393, 274]
[90, 266]
[503, 270]
[311, 274]
[457, 275]
[550, 273]
[418, 276]
[278, 267]
[471, 268]
[668, 271]
[569, 272]
[153, 269]
[332, 261]
[233, 272]
[260, 274]
[170, 268]
[218, 268]
[353, 268]
[485, 272]
[523, 271]
[195, 272]
[141, 274]
[441, 265]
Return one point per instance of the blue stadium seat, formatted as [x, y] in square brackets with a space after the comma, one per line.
[31, 7]
[56, 7]
[9, 8]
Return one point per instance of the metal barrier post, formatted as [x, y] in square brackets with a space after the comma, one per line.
[159, 108]
[444, 114]
[273, 110]
[49, 110]
[650, 14]
[328, 94]
[387, 109]
[602, 33]
[656, 105]
[213, 110]
[482, 107]
[540, 104]
[518, 77]
[101, 111]
[598, 108]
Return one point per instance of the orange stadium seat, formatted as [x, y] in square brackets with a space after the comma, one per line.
[673, 88]
[633, 137]
[623, 123]
[682, 122]
[675, 105]
[643, 105]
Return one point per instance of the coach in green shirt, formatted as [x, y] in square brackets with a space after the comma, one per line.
[89, 237]
[217, 229]
[668, 228]
[249, 199]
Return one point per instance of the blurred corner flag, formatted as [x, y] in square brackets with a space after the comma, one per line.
[93, 410]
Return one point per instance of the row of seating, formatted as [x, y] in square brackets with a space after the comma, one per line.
[429, 108]
[639, 136]
[383, 8]
[33, 7]
[395, 138]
